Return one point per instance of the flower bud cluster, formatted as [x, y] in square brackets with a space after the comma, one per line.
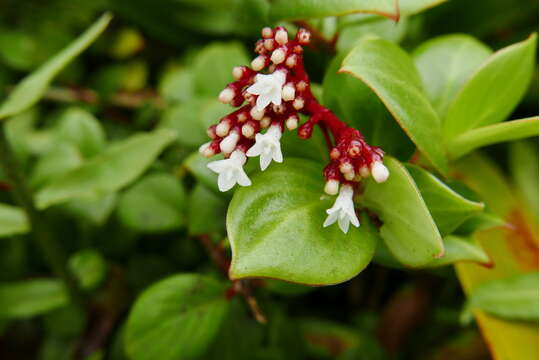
[270, 96]
[273, 98]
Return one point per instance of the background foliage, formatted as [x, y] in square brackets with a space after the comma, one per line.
[122, 256]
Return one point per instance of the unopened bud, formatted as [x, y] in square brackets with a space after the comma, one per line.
[281, 36]
[346, 167]
[269, 44]
[227, 95]
[211, 131]
[332, 187]
[303, 36]
[267, 33]
[248, 130]
[298, 103]
[258, 63]
[259, 47]
[237, 72]
[222, 128]
[379, 172]
[265, 122]
[334, 154]
[364, 171]
[301, 86]
[288, 92]
[229, 143]
[206, 150]
[257, 113]
[242, 117]
[350, 175]
[277, 56]
[355, 149]
[291, 61]
[292, 122]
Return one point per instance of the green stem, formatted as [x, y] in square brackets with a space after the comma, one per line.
[53, 252]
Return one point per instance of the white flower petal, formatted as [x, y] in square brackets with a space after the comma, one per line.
[243, 179]
[277, 154]
[217, 166]
[230, 171]
[262, 101]
[344, 224]
[265, 160]
[255, 150]
[332, 217]
[225, 181]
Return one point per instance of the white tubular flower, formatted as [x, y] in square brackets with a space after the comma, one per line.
[343, 210]
[268, 88]
[379, 172]
[230, 171]
[268, 147]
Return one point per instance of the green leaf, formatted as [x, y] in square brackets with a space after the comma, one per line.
[190, 120]
[197, 165]
[107, 172]
[154, 204]
[207, 211]
[445, 64]
[448, 208]
[212, 68]
[89, 268]
[354, 32]
[275, 229]
[13, 220]
[524, 163]
[482, 221]
[32, 88]
[458, 249]
[55, 162]
[31, 297]
[355, 103]
[391, 74]
[301, 9]
[80, 128]
[408, 228]
[177, 318]
[516, 297]
[95, 210]
[176, 84]
[493, 134]
[494, 90]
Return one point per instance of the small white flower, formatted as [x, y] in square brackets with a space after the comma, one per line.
[343, 210]
[268, 88]
[230, 171]
[267, 146]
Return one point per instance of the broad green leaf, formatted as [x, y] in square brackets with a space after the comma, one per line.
[55, 162]
[206, 211]
[359, 107]
[212, 68]
[95, 210]
[154, 204]
[408, 228]
[386, 29]
[448, 208]
[13, 220]
[18, 50]
[445, 63]
[492, 93]
[177, 318]
[391, 74]
[301, 9]
[513, 250]
[462, 249]
[275, 229]
[197, 165]
[107, 172]
[89, 268]
[524, 163]
[190, 120]
[80, 128]
[479, 222]
[514, 298]
[32, 88]
[176, 84]
[457, 249]
[492, 134]
[31, 297]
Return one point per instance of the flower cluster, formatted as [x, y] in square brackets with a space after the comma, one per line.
[270, 95]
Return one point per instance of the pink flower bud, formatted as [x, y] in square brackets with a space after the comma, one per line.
[227, 95]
